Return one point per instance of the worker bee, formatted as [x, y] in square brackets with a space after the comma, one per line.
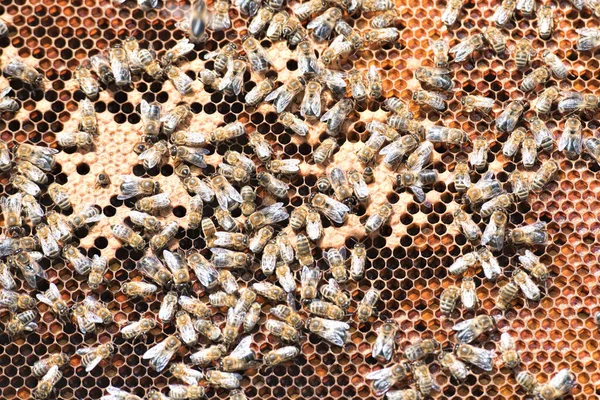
[119, 65]
[335, 332]
[384, 19]
[336, 116]
[226, 380]
[441, 134]
[309, 279]
[227, 196]
[520, 185]
[481, 358]
[261, 147]
[469, 228]
[208, 355]
[8, 104]
[398, 149]
[463, 263]
[336, 261]
[275, 29]
[298, 217]
[541, 133]
[338, 48]
[510, 356]
[180, 80]
[493, 236]
[334, 81]
[544, 175]
[186, 392]
[201, 187]
[128, 236]
[385, 344]
[283, 96]
[59, 196]
[53, 298]
[177, 52]
[223, 258]
[311, 103]
[256, 54]
[260, 21]
[589, 39]
[153, 203]
[535, 78]
[380, 37]
[101, 66]
[32, 209]
[384, 379]
[286, 251]
[324, 24]
[453, 365]
[241, 358]
[46, 385]
[559, 386]
[225, 221]
[138, 328]
[368, 152]
[149, 63]
[91, 356]
[219, 19]
[592, 145]
[14, 301]
[87, 84]
[546, 99]
[25, 185]
[161, 239]
[326, 309]
[16, 69]
[572, 102]
[469, 330]
[41, 367]
[133, 186]
[448, 299]
[358, 85]
[161, 353]
[451, 12]
[252, 317]
[325, 151]
[118, 394]
[379, 218]
[415, 181]
[545, 21]
[514, 141]
[533, 265]
[558, 68]
[434, 78]
[138, 289]
[571, 139]
[27, 262]
[434, 100]
[489, 264]
[233, 80]
[466, 48]
[421, 349]
[440, 51]
[398, 107]
[185, 328]
[285, 332]
[248, 205]
[507, 294]
[273, 185]
[5, 157]
[280, 355]
[260, 239]
[534, 234]
[358, 260]
[505, 12]
[288, 315]
[154, 155]
[11, 210]
[191, 155]
[507, 120]
[177, 266]
[194, 306]
[478, 156]
[81, 264]
[205, 271]
[366, 307]
[172, 119]
[293, 123]
[472, 103]
[423, 378]
[523, 51]
[468, 294]
[21, 323]
[528, 382]
[501, 202]
[222, 56]
[60, 227]
[208, 229]
[258, 93]
[146, 221]
[48, 242]
[168, 307]
[234, 241]
[96, 307]
[269, 291]
[41, 157]
[151, 267]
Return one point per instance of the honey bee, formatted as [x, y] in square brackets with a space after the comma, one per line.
[449, 299]
[481, 104]
[21, 323]
[305, 10]
[489, 263]
[378, 218]
[53, 298]
[478, 156]
[520, 185]
[87, 84]
[186, 392]
[41, 367]
[336, 116]
[46, 385]
[32, 209]
[589, 39]
[384, 379]
[180, 80]
[463, 263]
[227, 281]
[293, 123]
[528, 382]
[545, 21]
[16, 69]
[325, 150]
[507, 121]
[177, 266]
[222, 56]
[248, 205]
[553, 62]
[523, 53]
[208, 355]
[486, 188]
[154, 203]
[385, 345]
[451, 12]
[204, 270]
[368, 152]
[544, 175]
[269, 291]
[177, 52]
[415, 181]
[219, 19]
[259, 241]
[5, 157]
[358, 261]
[336, 261]
[102, 68]
[261, 147]
[27, 262]
[150, 64]
[133, 186]
[81, 264]
[334, 80]
[128, 236]
[168, 307]
[256, 54]
[358, 85]
[533, 265]
[60, 227]
[534, 234]
[468, 294]
[285, 332]
[469, 330]
[225, 380]
[41, 157]
[294, 31]
[398, 107]
[191, 155]
[423, 378]
[59, 196]
[175, 117]
[6, 279]
[481, 358]
[469, 228]
[546, 99]
[326, 309]
[138, 289]
[298, 217]
[241, 358]
[161, 239]
[339, 48]
[146, 221]
[275, 29]
[258, 93]
[505, 12]
[11, 210]
[194, 306]
[8, 104]
[398, 149]
[185, 328]
[466, 48]
[493, 236]
[592, 145]
[510, 356]
[15, 301]
[91, 356]
[252, 317]
[514, 141]
[366, 307]
[572, 102]
[223, 258]
[559, 386]
[48, 241]
[273, 185]
[421, 349]
[311, 103]
[453, 365]
[309, 279]
[335, 332]
[225, 221]
[351, 35]
[535, 78]
[208, 230]
[260, 21]
[280, 355]
[138, 328]
[434, 78]
[25, 185]
[434, 100]
[324, 24]
[288, 315]
[119, 65]
[571, 139]
[161, 353]
[151, 267]
[154, 155]
[283, 96]
[383, 36]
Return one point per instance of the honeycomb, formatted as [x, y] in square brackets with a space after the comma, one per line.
[407, 258]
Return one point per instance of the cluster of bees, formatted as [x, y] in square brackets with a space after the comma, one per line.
[401, 143]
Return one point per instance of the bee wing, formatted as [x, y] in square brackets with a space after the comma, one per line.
[150, 157]
[183, 47]
[275, 93]
[466, 331]
[92, 364]
[144, 108]
[469, 298]
[153, 352]
[506, 342]
[484, 359]
[44, 299]
[419, 193]
[563, 381]
[314, 23]
[5, 91]
[528, 259]
[384, 346]
[187, 332]
[118, 393]
[493, 235]
[132, 327]
[243, 349]
[167, 308]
